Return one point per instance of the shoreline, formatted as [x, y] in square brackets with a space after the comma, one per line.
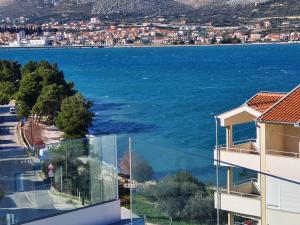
[146, 46]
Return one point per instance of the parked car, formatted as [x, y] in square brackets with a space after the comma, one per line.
[12, 110]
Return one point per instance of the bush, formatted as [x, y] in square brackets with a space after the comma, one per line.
[181, 196]
[2, 193]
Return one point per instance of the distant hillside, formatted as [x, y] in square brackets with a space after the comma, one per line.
[220, 12]
[145, 7]
[5, 2]
[203, 3]
[228, 14]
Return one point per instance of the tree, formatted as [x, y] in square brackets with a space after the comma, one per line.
[37, 93]
[29, 67]
[213, 41]
[200, 208]
[191, 42]
[2, 193]
[48, 102]
[74, 117]
[230, 40]
[29, 91]
[50, 74]
[7, 91]
[141, 170]
[10, 72]
[10, 76]
[173, 193]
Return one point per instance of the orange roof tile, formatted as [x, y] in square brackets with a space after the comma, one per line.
[262, 101]
[287, 110]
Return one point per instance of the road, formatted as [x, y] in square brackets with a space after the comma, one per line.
[26, 196]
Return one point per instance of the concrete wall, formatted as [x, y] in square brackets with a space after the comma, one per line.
[291, 138]
[283, 166]
[274, 138]
[283, 195]
[238, 204]
[277, 217]
[247, 188]
[104, 214]
[249, 161]
[280, 200]
[282, 138]
[246, 146]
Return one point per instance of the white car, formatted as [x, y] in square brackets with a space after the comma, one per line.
[12, 110]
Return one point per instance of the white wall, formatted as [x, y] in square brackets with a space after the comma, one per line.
[249, 161]
[283, 166]
[38, 42]
[104, 214]
[274, 138]
[282, 138]
[277, 217]
[238, 204]
[283, 195]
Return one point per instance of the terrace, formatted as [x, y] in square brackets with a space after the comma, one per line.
[243, 153]
[242, 198]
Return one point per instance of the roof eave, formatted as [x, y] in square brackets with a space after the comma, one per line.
[277, 122]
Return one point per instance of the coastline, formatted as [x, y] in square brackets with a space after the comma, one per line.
[206, 83]
[146, 46]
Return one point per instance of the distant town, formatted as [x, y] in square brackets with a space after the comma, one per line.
[157, 32]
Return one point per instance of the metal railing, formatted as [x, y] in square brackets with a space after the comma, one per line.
[245, 195]
[249, 140]
[241, 194]
[236, 148]
[245, 181]
[239, 150]
[252, 180]
[244, 141]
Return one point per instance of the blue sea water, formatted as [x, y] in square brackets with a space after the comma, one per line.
[165, 98]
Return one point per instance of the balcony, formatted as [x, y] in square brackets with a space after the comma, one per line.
[244, 198]
[283, 163]
[247, 187]
[243, 153]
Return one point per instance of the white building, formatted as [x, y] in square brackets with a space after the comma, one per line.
[38, 42]
[94, 20]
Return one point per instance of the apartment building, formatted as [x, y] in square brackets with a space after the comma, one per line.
[273, 196]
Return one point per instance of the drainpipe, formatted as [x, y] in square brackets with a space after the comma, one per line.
[217, 173]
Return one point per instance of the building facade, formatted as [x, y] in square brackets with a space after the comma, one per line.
[272, 196]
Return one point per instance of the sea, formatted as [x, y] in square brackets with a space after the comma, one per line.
[165, 98]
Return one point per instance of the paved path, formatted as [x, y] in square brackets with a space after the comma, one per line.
[24, 199]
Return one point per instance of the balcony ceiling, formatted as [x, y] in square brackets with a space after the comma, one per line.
[240, 115]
